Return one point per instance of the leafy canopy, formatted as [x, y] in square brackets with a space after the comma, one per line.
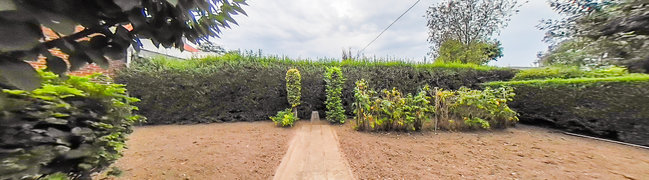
[104, 36]
[467, 21]
[607, 32]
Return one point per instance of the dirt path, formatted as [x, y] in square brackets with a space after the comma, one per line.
[314, 154]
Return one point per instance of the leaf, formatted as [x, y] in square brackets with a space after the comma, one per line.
[127, 5]
[19, 74]
[7, 5]
[19, 36]
[173, 2]
[77, 61]
[56, 65]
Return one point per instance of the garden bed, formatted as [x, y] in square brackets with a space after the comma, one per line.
[247, 150]
[523, 152]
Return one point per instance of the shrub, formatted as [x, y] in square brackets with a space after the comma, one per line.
[293, 88]
[478, 108]
[71, 127]
[284, 118]
[461, 109]
[236, 87]
[612, 107]
[564, 72]
[334, 90]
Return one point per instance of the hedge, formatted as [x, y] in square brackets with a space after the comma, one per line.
[72, 128]
[566, 72]
[614, 107]
[236, 87]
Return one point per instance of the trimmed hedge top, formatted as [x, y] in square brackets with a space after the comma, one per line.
[565, 72]
[546, 82]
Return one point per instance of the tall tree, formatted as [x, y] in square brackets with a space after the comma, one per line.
[467, 21]
[104, 36]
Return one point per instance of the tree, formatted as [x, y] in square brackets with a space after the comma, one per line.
[615, 32]
[475, 52]
[467, 21]
[104, 36]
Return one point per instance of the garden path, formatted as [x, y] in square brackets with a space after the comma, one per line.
[313, 153]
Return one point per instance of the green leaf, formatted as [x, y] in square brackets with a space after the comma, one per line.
[19, 74]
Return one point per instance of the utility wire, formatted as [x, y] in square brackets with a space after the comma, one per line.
[377, 37]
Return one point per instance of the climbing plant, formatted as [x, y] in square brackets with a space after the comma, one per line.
[334, 90]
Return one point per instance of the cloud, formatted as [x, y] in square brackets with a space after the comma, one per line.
[322, 28]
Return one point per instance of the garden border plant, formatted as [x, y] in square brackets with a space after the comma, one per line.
[452, 110]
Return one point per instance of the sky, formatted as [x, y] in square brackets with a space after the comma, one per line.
[323, 28]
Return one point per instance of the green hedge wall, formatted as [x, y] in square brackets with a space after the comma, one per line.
[614, 107]
[238, 87]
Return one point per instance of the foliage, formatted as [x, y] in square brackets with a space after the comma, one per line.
[284, 118]
[468, 21]
[104, 37]
[76, 127]
[610, 32]
[334, 81]
[475, 52]
[609, 107]
[244, 87]
[293, 88]
[392, 111]
[565, 72]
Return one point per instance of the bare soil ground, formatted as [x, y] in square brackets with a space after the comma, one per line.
[245, 150]
[523, 152]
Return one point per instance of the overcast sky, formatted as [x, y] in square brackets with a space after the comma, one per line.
[322, 28]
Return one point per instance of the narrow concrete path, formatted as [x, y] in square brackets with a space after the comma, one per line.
[313, 154]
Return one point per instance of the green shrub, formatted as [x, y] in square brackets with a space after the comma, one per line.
[284, 118]
[452, 110]
[71, 127]
[293, 88]
[236, 87]
[565, 72]
[334, 81]
[612, 107]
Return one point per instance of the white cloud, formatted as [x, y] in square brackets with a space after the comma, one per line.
[322, 28]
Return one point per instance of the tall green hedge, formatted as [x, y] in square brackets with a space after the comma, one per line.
[238, 87]
[72, 127]
[613, 107]
[334, 80]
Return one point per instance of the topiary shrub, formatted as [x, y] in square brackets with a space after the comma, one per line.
[334, 81]
[293, 88]
[613, 107]
[72, 127]
[284, 118]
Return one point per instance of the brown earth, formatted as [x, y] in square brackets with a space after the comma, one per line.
[245, 150]
[523, 152]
